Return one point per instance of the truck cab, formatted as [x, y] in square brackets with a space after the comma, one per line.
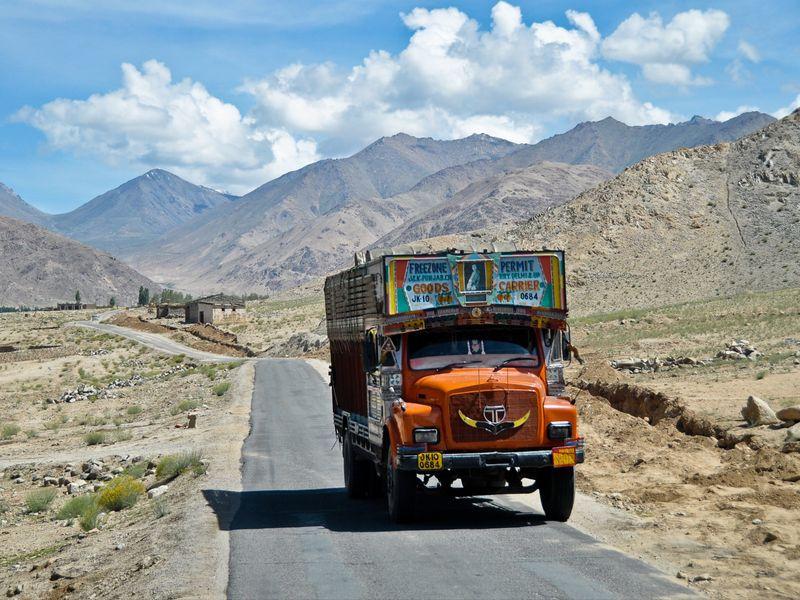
[463, 380]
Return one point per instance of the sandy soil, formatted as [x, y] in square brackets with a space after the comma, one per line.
[140, 550]
[194, 336]
[697, 509]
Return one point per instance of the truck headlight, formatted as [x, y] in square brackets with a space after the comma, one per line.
[426, 435]
[559, 430]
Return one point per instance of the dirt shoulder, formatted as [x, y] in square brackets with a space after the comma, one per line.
[711, 497]
[112, 415]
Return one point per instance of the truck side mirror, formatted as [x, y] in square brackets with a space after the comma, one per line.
[566, 346]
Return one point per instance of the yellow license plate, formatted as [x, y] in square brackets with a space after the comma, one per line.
[564, 457]
[430, 461]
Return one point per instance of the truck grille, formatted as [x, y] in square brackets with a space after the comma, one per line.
[516, 403]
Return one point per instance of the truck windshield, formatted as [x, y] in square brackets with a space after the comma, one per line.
[474, 346]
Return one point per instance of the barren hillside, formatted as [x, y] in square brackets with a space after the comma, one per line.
[137, 212]
[689, 224]
[613, 145]
[12, 205]
[507, 198]
[41, 268]
[234, 248]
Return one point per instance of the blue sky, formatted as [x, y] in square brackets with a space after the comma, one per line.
[232, 94]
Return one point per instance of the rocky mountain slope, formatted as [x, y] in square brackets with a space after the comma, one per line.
[138, 211]
[311, 220]
[612, 145]
[12, 205]
[504, 199]
[41, 268]
[711, 221]
[235, 249]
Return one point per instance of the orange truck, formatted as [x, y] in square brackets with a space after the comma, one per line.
[447, 374]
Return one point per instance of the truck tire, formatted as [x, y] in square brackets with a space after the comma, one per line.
[401, 487]
[557, 492]
[357, 477]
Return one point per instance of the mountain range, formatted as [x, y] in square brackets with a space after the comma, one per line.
[129, 216]
[310, 221]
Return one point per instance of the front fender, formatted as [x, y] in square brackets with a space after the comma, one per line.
[403, 422]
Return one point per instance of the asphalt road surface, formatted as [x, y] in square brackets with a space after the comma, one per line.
[155, 341]
[295, 534]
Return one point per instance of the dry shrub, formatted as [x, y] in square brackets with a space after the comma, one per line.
[121, 492]
[39, 500]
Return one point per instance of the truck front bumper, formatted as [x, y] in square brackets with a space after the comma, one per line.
[457, 461]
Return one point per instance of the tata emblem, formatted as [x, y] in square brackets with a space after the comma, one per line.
[494, 414]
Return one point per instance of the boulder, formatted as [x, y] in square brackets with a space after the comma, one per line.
[793, 433]
[157, 491]
[76, 486]
[757, 412]
[790, 413]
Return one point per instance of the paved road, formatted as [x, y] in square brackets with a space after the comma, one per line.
[294, 533]
[155, 341]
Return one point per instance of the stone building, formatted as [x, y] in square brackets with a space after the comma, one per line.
[166, 310]
[214, 309]
[75, 306]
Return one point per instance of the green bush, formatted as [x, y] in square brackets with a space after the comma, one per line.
[134, 410]
[39, 500]
[175, 464]
[94, 437]
[184, 406]
[9, 431]
[160, 508]
[88, 519]
[122, 435]
[121, 492]
[76, 507]
[761, 375]
[209, 371]
[221, 388]
[136, 470]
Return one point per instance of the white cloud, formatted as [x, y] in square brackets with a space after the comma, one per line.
[749, 51]
[152, 121]
[666, 52]
[725, 115]
[785, 110]
[452, 79]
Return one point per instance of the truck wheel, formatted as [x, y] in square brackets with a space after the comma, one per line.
[400, 489]
[557, 492]
[356, 472]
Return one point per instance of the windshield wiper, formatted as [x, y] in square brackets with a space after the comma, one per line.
[460, 363]
[507, 361]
